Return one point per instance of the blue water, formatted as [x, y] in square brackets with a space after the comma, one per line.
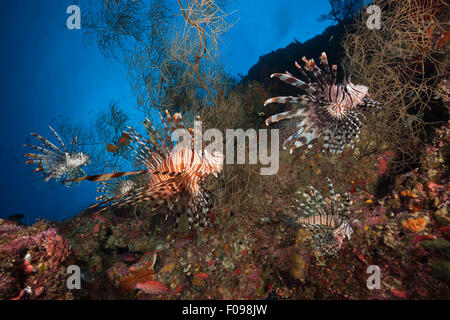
[50, 73]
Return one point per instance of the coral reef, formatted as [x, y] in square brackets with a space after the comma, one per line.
[32, 262]
[257, 255]
[247, 243]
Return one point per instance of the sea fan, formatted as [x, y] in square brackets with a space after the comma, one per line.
[175, 172]
[327, 222]
[330, 110]
[56, 162]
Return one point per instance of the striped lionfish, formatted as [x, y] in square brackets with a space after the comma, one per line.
[174, 171]
[56, 162]
[113, 188]
[327, 109]
[329, 224]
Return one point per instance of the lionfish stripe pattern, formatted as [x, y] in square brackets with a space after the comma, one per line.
[111, 188]
[330, 110]
[174, 171]
[328, 222]
[56, 162]
[158, 192]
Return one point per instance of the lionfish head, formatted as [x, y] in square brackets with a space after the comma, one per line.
[125, 186]
[357, 92]
[344, 231]
[77, 159]
[215, 159]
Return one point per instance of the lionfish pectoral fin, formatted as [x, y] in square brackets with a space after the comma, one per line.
[294, 136]
[289, 79]
[369, 103]
[43, 150]
[306, 139]
[45, 142]
[285, 115]
[151, 192]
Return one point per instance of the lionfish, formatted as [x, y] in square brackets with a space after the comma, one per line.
[327, 109]
[175, 172]
[112, 188]
[57, 162]
[329, 224]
